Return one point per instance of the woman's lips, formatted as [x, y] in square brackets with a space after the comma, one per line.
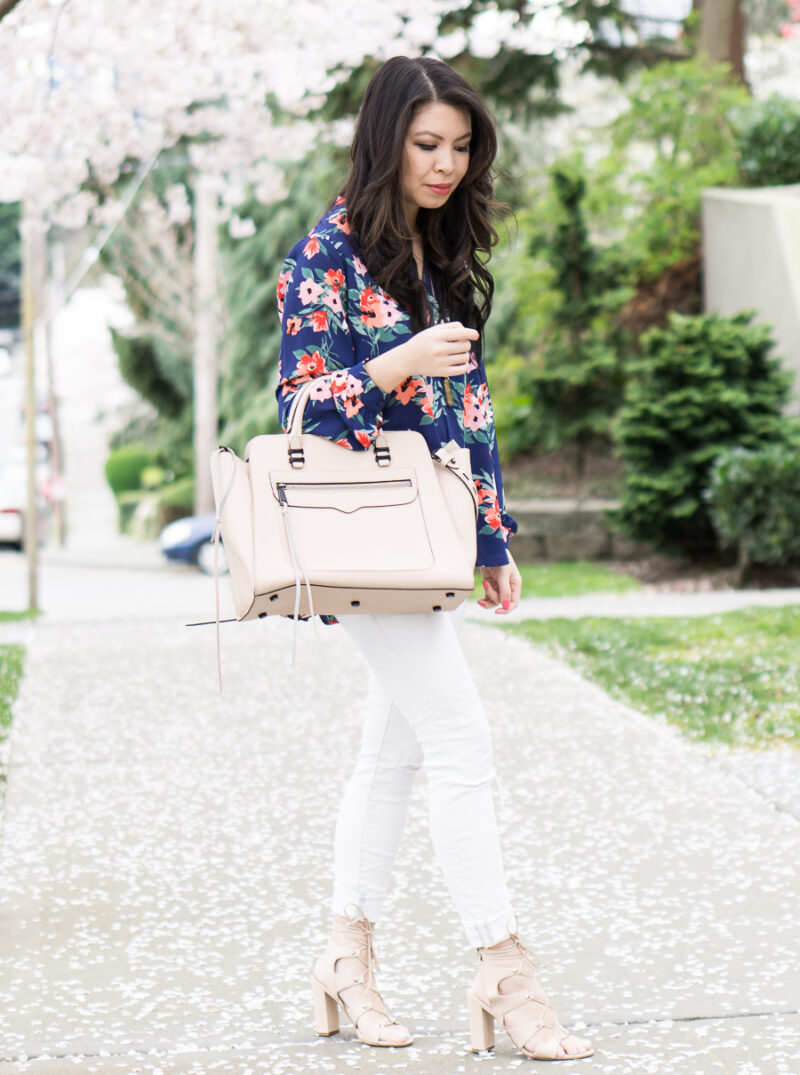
[443, 188]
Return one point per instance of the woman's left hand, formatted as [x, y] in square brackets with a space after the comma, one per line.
[502, 586]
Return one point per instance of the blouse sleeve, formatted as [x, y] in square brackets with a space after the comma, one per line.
[494, 523]
[345, 403]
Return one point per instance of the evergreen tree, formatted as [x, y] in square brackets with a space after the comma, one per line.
[573, 376]
[700, 386]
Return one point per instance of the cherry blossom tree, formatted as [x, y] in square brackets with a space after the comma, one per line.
[90, 86]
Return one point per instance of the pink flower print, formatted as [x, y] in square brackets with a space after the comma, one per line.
[283, 281]
[345, 384]
[312, 246]
[359, 266]
[332, 301]
[476, 408]
[309, 292]
[427, 403]
[386, 313]
[321, 389]
[474, 419]
[347, 388]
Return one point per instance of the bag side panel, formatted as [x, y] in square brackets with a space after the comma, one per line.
[230, 479]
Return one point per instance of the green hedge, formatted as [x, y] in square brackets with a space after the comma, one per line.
[768, 137]
[178, 494]
[124, 467]
[754, 502]
[703, 384]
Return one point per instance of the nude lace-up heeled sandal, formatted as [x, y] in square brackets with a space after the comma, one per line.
[344, 975]
[486, 1003]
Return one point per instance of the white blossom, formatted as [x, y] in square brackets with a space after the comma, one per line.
[90, 86]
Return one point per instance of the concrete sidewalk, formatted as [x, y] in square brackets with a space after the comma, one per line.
[165, 867]
[647, 602]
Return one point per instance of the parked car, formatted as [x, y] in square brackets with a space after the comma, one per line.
[14, 496]
[190, 541]
[12, 525]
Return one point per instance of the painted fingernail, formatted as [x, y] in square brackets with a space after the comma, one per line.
[485, 584]
[506, 605]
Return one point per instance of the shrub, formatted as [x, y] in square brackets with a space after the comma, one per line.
[178, 494]
[128, 502]
[754, 503]
[768, 134]
[703, 384]
[140, 366]
[675, 139]
[124, 467]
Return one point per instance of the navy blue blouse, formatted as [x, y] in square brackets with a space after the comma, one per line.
[334, 318]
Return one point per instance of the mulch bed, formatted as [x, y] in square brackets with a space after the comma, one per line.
[661, 573]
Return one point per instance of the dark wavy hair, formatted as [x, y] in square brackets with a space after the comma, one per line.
[458, 237]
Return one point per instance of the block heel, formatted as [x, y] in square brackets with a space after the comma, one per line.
[350, 946]
[481, 1025]
[488, 1002]
[326, 1010]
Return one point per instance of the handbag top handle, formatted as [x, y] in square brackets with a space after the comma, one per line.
[294, 431]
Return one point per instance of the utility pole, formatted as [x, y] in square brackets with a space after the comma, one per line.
[33, 262]
[205, 343]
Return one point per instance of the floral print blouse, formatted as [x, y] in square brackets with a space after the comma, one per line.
[334, 319]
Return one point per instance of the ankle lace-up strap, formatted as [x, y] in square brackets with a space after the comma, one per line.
[495, 968]
[355, 940]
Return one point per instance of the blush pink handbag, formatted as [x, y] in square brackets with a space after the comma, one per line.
[311, 527]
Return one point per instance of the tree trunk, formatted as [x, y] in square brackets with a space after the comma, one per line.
[205, 358]
[34, 267]
[6, 6]
[721, 34]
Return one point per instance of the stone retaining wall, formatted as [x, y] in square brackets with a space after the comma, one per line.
[570, 530]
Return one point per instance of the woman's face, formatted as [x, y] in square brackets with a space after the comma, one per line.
[435, 157]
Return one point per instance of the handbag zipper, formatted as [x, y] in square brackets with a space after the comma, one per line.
[283, 486]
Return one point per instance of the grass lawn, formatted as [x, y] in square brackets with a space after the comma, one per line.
[568, 578]
[28, 614]
[731, 678]
[11, 658]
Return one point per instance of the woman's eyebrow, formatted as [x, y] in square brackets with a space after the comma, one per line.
[432, 134]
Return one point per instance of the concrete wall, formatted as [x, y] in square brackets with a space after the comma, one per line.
[568, 530]
[751, 251]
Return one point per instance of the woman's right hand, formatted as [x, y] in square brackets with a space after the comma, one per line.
[439, 351]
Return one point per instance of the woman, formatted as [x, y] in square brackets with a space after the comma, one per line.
[384, 304]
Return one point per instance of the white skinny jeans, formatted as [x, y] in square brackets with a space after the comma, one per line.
[422, 708]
